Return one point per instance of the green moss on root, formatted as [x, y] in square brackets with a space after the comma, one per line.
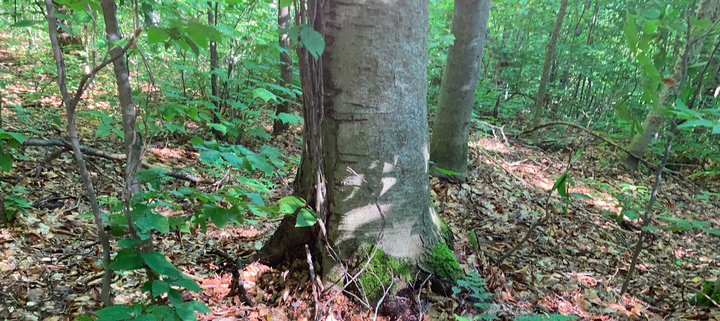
[443, 263]
[379, 273]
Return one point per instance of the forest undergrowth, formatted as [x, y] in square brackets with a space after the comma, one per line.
[572, 264]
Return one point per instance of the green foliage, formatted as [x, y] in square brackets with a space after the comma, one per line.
[546, 317]
[710, 292]
[15, 203]
[443, 263]
[473, 285]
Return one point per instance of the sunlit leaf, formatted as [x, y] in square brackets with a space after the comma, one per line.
[305, 218]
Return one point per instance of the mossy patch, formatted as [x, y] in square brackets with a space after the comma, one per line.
[443, 263]
[710, 293]
[379, 273]
[445, 231]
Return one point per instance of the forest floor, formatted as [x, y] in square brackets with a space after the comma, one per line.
[574, 263]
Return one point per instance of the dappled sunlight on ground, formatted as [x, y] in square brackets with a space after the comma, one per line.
[576, 262]
[488, 144]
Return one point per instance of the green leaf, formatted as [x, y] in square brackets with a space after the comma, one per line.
[312, 40]
[26, 23]
[630, 214]
[158, 263]
[218, 215]
[474, 240]
[649, 228]
[155, 35]
[159, 288]
[289, 204]
[285, 3]
[630, 31]
[716, 129]
[712, 231]
[128, 242]
[697, 123]
[259, 162]
[561, 185]
[219, 127]
[289, 118]
[305, 218]
[187, 283]
[210, 157]
[115, 313]
[581, 196]
[126, 260]
[259, 132]
[6, 162]
[264, 94]
[18, 137]
[146, 221]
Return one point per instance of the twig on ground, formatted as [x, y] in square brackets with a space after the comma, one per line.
[385, 293]
[313, 277]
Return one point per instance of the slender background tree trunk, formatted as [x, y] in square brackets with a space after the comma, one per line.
[551, 48]
[449, 143]
[286, 70]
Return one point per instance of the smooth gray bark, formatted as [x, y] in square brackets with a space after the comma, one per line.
[370, 183]
[449, 143]
[286, 69]
[375, 130]
[551, 48]
[133, 140]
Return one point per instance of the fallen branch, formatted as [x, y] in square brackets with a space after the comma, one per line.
[232, 266]
[592, 133]
[90, 151]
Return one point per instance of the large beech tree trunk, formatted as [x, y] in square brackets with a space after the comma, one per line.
[365, 114]
[449, 143]
[551, 48]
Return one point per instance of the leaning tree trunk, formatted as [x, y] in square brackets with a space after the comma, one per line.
[656, 116]
[551, 48]
[286, 71]
[365, 115]
[449, 143]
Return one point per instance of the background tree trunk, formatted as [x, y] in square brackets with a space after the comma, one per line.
[449, 143]
[668, 90]
[214, 65]
[286, 70]
[133, 140]
[551, 48]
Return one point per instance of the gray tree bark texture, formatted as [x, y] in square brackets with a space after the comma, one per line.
[375, 128]
[133, 141]
[551, 48]
[656, 116]
[373, 186]
[286, 69]
[449, 142]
